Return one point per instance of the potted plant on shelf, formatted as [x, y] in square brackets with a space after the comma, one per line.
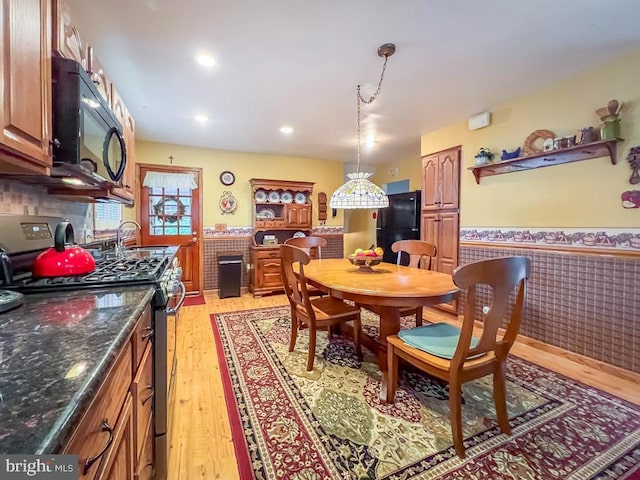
[483, 156]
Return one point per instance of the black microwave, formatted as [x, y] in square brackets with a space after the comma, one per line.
[88, 140]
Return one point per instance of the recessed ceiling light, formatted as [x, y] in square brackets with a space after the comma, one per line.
[206, 60]
[201, 118]
[286, 130]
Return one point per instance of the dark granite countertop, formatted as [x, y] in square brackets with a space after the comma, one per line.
[55, 351]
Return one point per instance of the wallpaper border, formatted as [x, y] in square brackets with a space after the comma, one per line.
[586, 238]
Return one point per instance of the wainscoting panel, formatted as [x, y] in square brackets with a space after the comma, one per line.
[583, 302]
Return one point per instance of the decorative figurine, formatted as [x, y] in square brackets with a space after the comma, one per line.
[510, 155]
[610, 116]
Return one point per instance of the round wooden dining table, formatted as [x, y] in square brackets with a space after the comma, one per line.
[388, 286]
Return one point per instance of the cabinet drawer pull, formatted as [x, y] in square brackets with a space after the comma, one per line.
[273, 254]
[149, 333]
[148, 387]
[90, 461]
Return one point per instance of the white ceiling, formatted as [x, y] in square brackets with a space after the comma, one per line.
[297, 63]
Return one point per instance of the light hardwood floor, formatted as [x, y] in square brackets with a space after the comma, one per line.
[201, 444]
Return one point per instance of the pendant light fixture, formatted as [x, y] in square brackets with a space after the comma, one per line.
[359, 192]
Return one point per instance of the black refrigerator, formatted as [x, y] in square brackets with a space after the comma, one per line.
[399, 221]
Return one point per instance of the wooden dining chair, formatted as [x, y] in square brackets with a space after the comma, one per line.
[313, 247]
[316, 313]
[420, 256]
[453, 354]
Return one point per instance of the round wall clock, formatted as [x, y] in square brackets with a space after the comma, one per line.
[227, 178]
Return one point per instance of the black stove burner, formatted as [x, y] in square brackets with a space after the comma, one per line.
[108, 272]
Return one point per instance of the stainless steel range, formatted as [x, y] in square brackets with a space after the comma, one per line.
[23, 238]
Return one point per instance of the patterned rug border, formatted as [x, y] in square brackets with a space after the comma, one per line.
[239, 433]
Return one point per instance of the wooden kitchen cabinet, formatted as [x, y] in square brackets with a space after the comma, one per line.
[265, 271]
[298, 216]
[25, 88]
[99, 77]
[129, 178]
[119, 466]
[441, 180]
[142, 390]
[68, 42]
[441, 229]
[94, 440]
[114, 438]
[440, 223]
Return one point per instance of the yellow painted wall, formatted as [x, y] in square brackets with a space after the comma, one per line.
[581, 194]
[326, 174]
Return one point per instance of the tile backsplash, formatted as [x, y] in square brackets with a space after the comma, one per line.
[25, 199]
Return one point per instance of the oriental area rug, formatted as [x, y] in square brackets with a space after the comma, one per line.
[329, 423]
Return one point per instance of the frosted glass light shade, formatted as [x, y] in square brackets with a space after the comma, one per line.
[359, 193]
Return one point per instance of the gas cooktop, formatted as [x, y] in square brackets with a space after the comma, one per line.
[108, 272]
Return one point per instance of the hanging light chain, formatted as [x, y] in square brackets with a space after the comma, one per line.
[359, 99]
[373, 97]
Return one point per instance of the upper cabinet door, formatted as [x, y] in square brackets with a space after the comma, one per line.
[449, 165]
[25, 92]
[67, 41]
[430, 183]
[99, 77]
[441, 180]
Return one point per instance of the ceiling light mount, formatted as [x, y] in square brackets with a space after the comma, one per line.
[386, 50]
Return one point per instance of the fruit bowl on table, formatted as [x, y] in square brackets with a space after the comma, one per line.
[365, 262]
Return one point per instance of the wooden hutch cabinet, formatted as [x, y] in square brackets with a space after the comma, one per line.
[280, 209]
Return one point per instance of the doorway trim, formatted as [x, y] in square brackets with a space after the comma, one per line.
[176, 169]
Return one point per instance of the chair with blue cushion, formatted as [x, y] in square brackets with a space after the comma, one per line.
[453, 354]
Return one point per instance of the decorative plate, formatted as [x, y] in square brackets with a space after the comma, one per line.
[274, 196]
[227, 178]
[300, 198]
[260, 196]
[299, 235]
[286, 197]
[227, 203]
[266, 213]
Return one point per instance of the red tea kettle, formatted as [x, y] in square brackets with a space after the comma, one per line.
[64, 258]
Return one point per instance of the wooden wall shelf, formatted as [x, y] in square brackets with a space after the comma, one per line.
[602, 148]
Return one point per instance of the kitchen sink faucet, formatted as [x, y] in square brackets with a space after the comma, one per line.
[120, 240]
